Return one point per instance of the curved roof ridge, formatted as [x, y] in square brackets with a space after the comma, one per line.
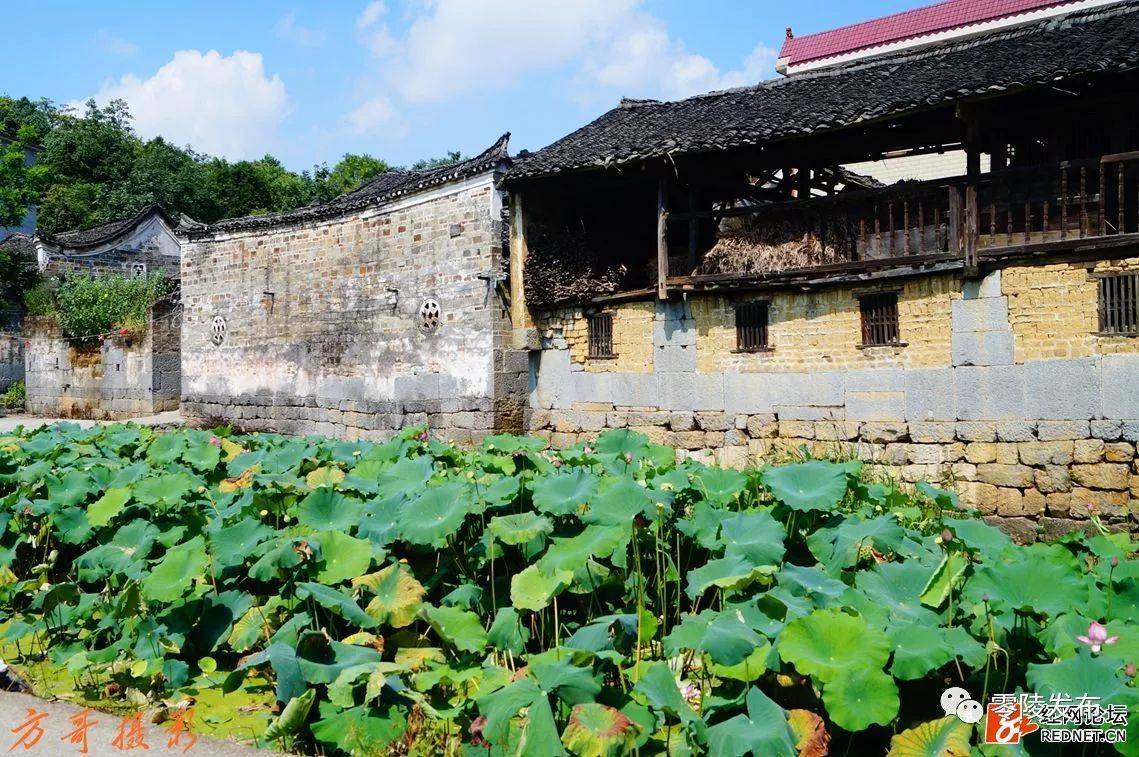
[385, 187]
[102, 233]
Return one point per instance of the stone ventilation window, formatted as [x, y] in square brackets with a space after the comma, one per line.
[1119, 304]
[879, 319]
[430, 315]
[751, 327]
[601, 335]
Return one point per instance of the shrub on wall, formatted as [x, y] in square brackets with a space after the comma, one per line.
[86, 306]
[40, 299]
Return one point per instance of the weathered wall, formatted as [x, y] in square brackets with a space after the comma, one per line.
[116, 379]
[152, 246]
[1000, 391]
[322, 329]
[11, 356]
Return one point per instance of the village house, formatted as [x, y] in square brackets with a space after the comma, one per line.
[732, 275]
[113, 376]
[378, 310]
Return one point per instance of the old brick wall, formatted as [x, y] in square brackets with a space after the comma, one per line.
[115, 379]
[1001, 391]
[322, 333]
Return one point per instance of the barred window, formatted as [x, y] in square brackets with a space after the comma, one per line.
[751, 327]
[601, 335]
[1119, 304]
[879, 319]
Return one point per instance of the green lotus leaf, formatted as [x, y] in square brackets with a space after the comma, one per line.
[397, 594]
[168, 489]
[201, 455]
[747, 671]
[436, 515]
[232, 544]
[842, 545]
[719, 485]
[597, 730]
[660, 690]
[945, 737]
[1029, 582]
[1084, 673]
[533, 588]
[728, 573]
[343, 556]
[813, 485]
[617, 502]
[462, 629]
[519, 528]
[292, 717]
[325, 476]
[321, 660]
[564, 493]
[176, 572]
[763, 730]
[507, 634]
[72, 525]
[755, 535]
[946, 578]
[360, 730]
[811, 582]
[324, 509]
[828, 642]
[500, 706]
[165, 449]
[102, 510]
[987, 541]
[338, 602]
[620, 441]
[573, 552]
[858, 697]
[918, 649]
[892, 590]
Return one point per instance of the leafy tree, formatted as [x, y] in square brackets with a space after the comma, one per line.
[452, 157]
[351, 172]
[16, 191]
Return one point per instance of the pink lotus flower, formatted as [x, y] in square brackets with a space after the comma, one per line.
[1097, 637]
[215, 441]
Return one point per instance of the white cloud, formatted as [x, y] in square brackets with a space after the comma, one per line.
[371, 14]
[609, 47]
[371, 114]
[221, 104]
[287, 28]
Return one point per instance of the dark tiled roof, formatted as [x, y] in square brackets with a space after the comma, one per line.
[386, 187]
[106, 232]
[19, 243]
[1087, 42]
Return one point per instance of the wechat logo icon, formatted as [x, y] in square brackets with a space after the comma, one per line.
[957, 701]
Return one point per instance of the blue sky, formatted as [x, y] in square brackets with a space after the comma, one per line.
[400, 79]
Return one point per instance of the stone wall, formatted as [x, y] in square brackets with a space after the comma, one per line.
[1001, 391]
[118, 378]
[322, 328]
[11, 356]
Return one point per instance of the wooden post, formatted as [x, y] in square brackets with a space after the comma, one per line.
[662, 241]
[692, 262]
[956, 242]
[519, 313]
[971, 229]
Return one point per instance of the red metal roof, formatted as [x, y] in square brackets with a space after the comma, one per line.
[917, 22]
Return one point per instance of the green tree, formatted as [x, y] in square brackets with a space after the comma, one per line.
[452, 157]
[349, 173]
[16, 191]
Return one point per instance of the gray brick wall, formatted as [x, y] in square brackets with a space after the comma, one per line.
[322, 330]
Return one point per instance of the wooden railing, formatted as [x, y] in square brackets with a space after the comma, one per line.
[1010, 208]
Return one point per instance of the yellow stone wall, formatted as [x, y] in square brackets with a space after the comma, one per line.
[822, 330]
[1053, 310]
[632, 337]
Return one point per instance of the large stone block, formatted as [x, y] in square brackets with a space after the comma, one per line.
[997, 474]
[1119, 390]
[692, 391]
[674, 332]
[983, 314]
[990, 393]
[876, 405]
[982, 348]
[1111, 476]
[989, 286]
[555, 383]
[671, 359]
[1061, 389]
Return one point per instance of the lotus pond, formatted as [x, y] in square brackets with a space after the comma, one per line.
[413, 597]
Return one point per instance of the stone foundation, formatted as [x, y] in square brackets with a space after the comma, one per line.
[1041, 478]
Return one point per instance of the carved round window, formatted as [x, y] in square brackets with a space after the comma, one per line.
[430, 315]
[217, 330]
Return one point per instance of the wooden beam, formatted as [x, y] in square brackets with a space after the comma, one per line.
[972, 230]
[692, 221]
[662, 241]
[519, 313]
